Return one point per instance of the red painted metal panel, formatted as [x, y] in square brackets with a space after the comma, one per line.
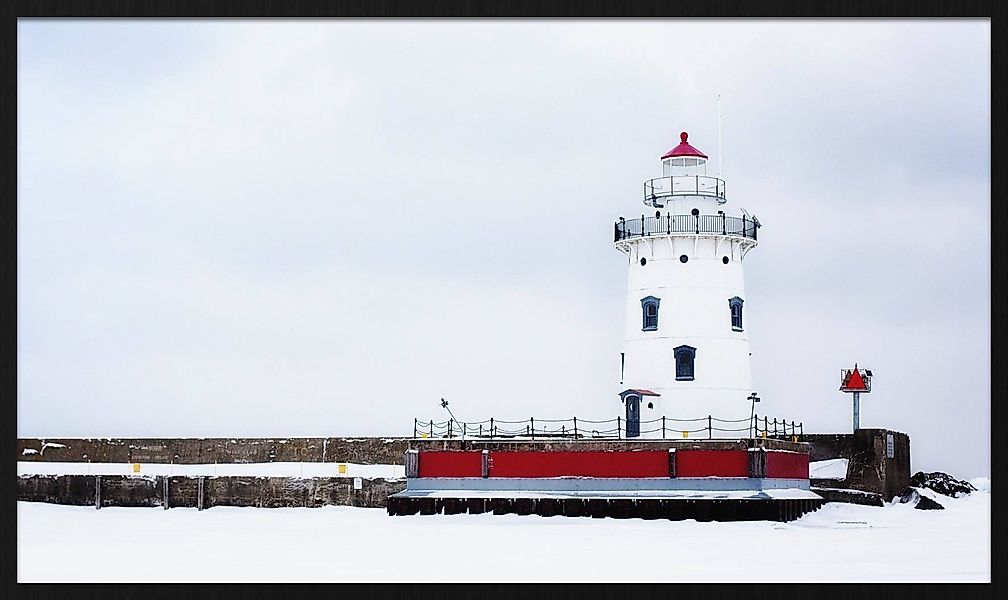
[787, 465]
[645, 463]
[451, 464]
[712, 463]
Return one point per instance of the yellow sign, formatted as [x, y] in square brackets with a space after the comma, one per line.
[685, 434]
[342, 469]
[423, 434]
[764, 434]
[136, 467]
[794, 438]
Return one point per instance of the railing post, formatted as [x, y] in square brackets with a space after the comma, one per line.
[575, 428]
[801, 430]
[414, 427]
[432, 428]
[526, 430]
[710, 428]
[696, 220]
[532, 421]
[663, 427]
[792, 428]
[481, 430]
[775, 426]
[643, 228]
[698, 185]
[563, 431]
[668, 226]
[449, 429]
[492, 432]
[743, 226]
[724, 227]
[618, 424]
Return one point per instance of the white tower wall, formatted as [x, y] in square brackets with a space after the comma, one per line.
[694, 307]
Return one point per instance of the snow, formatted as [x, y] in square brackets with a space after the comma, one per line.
[840, 542]
[835, 468]
[274, 469]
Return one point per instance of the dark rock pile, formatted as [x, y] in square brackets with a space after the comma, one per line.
[920, 502]
[943, 483]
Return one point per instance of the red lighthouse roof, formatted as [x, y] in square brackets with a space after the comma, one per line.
[684, 149]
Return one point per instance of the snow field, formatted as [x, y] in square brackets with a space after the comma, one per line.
[840, 542]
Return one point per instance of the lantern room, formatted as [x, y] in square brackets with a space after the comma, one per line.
[684, 159]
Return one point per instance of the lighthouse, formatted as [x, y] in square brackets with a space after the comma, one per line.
[686, 347]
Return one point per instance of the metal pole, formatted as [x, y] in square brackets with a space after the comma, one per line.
[432, 428]
[618, 422]
[532, 421]
[414, 427]
[710, 429]
[857, 409]
[575, 428]
[663, 427]
[752, 415]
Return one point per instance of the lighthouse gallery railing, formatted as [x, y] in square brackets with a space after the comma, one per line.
[684, 185]
[696, 224]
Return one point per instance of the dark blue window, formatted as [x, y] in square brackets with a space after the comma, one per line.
[735, 304]
[684, 356]
[649, 308]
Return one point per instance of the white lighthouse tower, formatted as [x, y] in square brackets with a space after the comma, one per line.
[686, 350]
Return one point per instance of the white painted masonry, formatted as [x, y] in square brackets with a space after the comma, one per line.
[694, 298]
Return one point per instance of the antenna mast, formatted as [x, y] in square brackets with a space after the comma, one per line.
[719, 159]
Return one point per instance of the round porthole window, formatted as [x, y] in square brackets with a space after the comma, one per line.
[683, 258]
[695, 212]
[657, 214]
[643, 262]
[725, 260]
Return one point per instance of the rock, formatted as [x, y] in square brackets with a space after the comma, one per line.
[910, 495]
[925, 503]
[943, 483]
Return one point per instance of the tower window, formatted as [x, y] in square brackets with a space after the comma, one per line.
[683, 258]
[735, 304]
[643, 261]
[684, 356]
[649, 307]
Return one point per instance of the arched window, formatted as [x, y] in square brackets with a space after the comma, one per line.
[735, 304]
[684, 358]
[649, 308]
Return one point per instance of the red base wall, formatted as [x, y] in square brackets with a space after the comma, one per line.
[645, 463]
[712, 463]
[787, 465]
[629, 464]
[450, 464]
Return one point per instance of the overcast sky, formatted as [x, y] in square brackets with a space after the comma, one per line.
[280, 228]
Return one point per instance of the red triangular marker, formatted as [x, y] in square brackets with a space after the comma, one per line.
[855, 382]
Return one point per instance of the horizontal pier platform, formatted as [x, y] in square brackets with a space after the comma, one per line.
[676, 509]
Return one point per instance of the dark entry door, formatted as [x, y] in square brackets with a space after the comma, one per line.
[632, 416]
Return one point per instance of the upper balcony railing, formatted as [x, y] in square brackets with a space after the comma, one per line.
[683, 185]
[696, 224]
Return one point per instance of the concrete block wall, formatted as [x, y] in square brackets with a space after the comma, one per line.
[869, 468]
[360, 450]
[263, 492]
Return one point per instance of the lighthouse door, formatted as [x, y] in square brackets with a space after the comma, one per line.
[632, 416]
